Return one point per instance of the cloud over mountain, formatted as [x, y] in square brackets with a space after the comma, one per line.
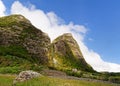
[55, 26]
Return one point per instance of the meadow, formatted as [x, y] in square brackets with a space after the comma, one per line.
[7, 80]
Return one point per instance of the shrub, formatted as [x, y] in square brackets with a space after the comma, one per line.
[114, 79]
[5, 70]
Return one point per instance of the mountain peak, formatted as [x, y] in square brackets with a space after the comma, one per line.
[65, 53]
[67, 34]
[20, 39]
[17, 31]
[13, 19]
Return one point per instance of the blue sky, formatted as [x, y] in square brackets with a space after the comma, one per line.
[100, 17]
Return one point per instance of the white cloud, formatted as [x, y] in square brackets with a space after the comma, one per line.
[54, 26]
[2, 9]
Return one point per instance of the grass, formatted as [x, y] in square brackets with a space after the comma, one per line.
[6, 80]
[65, 58]
[14, 50]
[11, 20]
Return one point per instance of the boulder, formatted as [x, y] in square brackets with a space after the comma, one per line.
[26, 75]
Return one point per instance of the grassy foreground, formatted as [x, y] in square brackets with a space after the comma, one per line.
[6, 80]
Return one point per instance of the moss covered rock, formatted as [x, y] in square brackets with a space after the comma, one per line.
[65, 54]
[18, 37]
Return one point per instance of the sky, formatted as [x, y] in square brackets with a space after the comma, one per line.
[93, 23]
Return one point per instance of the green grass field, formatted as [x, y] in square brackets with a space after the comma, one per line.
[6, 80]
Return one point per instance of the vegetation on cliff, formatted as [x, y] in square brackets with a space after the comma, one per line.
[65, 54]
[25, 47]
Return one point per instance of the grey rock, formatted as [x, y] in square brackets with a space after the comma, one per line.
[26, 75]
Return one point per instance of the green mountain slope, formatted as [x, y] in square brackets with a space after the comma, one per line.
[21, 43]
[18, 37]
[24, 47]
[65, 54]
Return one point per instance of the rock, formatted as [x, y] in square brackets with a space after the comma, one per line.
[74, 70]
[66, 54]
[17, 31]
[26, 75]
[19, 39]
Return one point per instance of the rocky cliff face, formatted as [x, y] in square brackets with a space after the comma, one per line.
[18, 37]
[65, 54]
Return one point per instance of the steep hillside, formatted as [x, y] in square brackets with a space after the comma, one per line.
[19, 38]
[22, 44]
[65, 54]
[24, 47]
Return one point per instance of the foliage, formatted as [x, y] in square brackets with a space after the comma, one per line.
[11, 70]
[7, 80]
[114, 79]
[12, 64]
[14, 50]
[16, 57]
[67, 60]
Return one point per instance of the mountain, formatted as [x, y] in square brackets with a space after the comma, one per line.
[25, 47]
[18, 37]
[66, 54]
[22, 44]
